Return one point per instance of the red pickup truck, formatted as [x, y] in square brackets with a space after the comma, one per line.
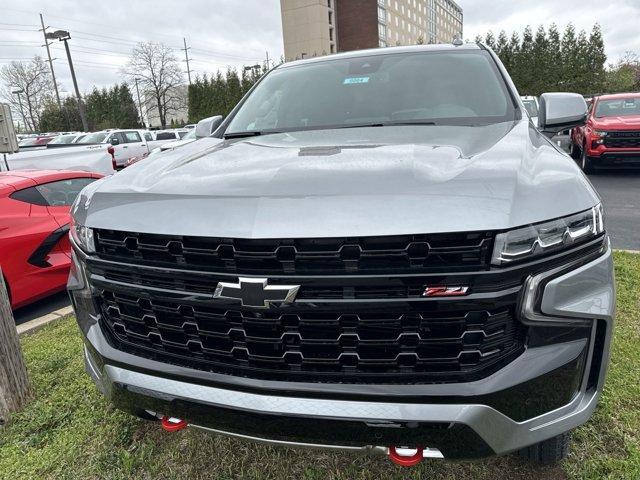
[611, 135]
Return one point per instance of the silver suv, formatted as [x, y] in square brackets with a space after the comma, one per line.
[375, 251]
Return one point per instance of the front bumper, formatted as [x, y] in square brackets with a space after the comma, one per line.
[614, 158]
[462, 420]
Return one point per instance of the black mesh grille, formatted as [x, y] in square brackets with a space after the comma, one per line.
[440, 342]
[404, 253]
[622, 140]
[156, 297]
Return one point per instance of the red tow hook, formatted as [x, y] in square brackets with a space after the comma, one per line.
[171, 424]
[403, 459]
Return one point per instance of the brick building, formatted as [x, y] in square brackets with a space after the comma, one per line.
[320, 27]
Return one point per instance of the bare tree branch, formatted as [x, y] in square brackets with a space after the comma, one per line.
[34, 80]
[159, 73]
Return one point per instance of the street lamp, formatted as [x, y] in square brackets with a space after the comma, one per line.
[17, 91]
[255, 68]
[64, 36]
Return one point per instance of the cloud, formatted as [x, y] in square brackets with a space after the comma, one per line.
[220, 33]
[225, 33]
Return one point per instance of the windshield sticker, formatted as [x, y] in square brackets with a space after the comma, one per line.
[355, 80]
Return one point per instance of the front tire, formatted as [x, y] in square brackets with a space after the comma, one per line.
[574, 151]
[548, 452]
[586, 163]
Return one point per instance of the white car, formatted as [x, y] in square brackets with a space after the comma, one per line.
[531, 105]
[66, 139]
[126, 143]
[188, 138]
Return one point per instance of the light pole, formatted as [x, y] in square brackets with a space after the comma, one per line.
[53, 74]
[64, 36]
[18, 91]
[140, 103]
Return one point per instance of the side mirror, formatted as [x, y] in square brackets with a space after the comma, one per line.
[560, 111]
[207, 126]
[114, 141]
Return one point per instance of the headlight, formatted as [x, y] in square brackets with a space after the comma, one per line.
[83, 236]
[600, 133]
[540, 239]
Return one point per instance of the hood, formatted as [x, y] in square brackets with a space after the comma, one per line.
[630, 122]
[345, 182]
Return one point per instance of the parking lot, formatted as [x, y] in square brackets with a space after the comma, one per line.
[619, 192]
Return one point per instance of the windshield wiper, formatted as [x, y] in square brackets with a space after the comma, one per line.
[248, 133]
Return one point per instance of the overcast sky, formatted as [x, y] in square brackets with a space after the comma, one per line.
[225, 33]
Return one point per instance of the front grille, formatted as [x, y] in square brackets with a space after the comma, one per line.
[400, 254]
[622, 140]
[359, 316]
[439, 342]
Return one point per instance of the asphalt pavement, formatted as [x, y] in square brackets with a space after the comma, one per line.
[620, 192]
[41, 308]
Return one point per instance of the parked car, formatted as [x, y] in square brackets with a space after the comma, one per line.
[186, 139]
[91, 158]
[170, 134]
[34, 142]
[611, 136]
[399, 262]
[126, 143]
[65, 140]
[531, 105]
[34, 225]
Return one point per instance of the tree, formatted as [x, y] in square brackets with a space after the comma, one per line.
[234, 89]
[56, 119]
[624, 76]
[596, 59]
[14, 381]
[160, 76]
[502, 49]
[540, 61]
[554, 69]
[515, 67]
[526, 84]
[122, 109]
[582, 72]
[490, 40]
[569, 57]
[33, 78]
[112, 108]
[218, 95]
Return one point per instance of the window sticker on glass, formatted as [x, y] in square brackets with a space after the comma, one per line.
[355, 80]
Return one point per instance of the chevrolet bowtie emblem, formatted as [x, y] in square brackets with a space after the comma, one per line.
[255, 292]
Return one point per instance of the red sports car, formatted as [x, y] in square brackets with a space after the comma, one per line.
[34, 225]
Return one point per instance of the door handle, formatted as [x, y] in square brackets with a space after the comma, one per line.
[125, 146]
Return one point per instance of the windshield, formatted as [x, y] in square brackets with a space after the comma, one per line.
[28, 142]
[190, 135]
[446, 88]
[622, 107]
[62, 140]
[93, 138]
[532, 108]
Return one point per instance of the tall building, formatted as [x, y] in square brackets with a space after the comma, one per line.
[319, 27]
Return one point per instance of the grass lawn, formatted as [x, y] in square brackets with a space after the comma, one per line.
[69, 431]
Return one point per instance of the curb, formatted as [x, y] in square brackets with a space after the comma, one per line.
[636, 252]
[36, 324]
